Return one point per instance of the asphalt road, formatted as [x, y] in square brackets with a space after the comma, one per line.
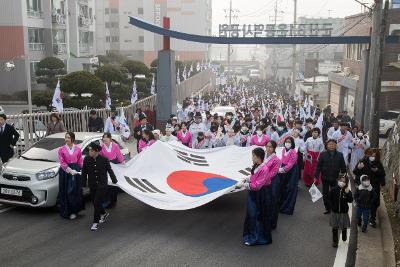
[139, 235]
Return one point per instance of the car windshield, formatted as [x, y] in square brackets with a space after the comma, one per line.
[46, 149]
[390, 115]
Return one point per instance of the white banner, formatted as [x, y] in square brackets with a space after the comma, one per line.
[171, 176]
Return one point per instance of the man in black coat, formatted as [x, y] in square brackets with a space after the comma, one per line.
[330, 165]
[8, 139]
[96, 124]
[95, 169]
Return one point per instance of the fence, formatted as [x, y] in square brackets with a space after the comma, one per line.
[391, 157]
[33, 127]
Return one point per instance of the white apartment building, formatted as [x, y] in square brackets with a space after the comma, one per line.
[32, 30]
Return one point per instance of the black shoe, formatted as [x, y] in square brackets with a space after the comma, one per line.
[344, 235]
[334, 244]
[373, 224]
[364, 229]
[359, 223]
[327, 212]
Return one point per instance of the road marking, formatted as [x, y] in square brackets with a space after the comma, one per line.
[341, 253]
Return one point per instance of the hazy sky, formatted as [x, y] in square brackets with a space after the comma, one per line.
[262, 11]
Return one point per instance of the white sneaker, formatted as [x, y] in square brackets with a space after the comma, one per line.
[104, 217]
[94, 227]
[72, 217]
[247, 244]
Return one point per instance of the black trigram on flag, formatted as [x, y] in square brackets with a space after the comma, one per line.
[246, 172]
[143, 185]
[192, 159]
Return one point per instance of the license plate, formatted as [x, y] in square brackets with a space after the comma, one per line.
[11, 192]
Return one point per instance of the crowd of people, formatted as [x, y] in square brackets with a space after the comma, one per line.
[316, 147]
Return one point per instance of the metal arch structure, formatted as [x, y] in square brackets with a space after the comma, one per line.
[137, 22]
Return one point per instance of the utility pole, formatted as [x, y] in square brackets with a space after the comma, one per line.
[294, 60]
[379, 22]
[229, 45]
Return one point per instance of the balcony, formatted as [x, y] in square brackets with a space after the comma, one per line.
[35, 14]
[36, 46]
[85, 47]
[60, 49]
[84, 21]
[58, 19]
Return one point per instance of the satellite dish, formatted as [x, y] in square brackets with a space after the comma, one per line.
[9, 66]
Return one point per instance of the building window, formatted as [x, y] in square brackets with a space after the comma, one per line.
[107, 24]
[108, 39]
[107, 11]
[35, 35]
[128, 41]
[140, 11]
[34, 8]
[115, 39]
[114, 11]
[33, 67]
[141, 39]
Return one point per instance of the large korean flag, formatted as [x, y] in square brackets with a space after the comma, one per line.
[171, 176]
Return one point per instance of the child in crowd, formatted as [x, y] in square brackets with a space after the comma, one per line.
[340, 196]
[364, 197]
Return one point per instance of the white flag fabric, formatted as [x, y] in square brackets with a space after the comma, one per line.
[184, 73]
[315, 193]
[178, 78]
[123, 124]
[108, 98]
[57, 100]
[198, 68]
[184, 178]
[153, 87]
[134, 96]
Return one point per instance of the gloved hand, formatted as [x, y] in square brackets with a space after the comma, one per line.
[281, 170]
[73, 172]
[240, 184]
[115, 181]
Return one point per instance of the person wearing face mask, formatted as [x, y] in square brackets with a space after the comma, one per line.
[259, 139]
[372, 166]
[308, 129]
[314, 147]
[282, 129]
[289, 177]
[340, 196]
[358, 146]
[244, 136]
[365, 196]
[197, 126]
[258, 222]
[343, 139]
[200, 142]
[330, 165]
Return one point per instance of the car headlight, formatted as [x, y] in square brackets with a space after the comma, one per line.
[47, 174]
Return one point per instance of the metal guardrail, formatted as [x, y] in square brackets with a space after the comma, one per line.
[33, 127]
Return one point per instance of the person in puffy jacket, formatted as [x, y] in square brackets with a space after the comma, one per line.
[365, 196]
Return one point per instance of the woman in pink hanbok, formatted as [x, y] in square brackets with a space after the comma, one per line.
[70, 195]
[259, 139]
[146, 141]
[184, 136]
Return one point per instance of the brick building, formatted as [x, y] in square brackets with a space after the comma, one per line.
[347, 88]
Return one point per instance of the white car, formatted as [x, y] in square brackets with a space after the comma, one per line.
[222, 110]
[387, 122]
[32, 180]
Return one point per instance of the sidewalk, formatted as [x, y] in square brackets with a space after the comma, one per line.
[376, 247]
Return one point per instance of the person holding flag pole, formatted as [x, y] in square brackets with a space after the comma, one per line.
[153, 87]
[134, 96]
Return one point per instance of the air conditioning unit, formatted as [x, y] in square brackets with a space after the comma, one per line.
[346, 71]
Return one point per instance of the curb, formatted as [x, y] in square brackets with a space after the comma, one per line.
[387, 235]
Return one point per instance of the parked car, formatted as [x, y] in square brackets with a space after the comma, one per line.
[32, 179]
[387, 122]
